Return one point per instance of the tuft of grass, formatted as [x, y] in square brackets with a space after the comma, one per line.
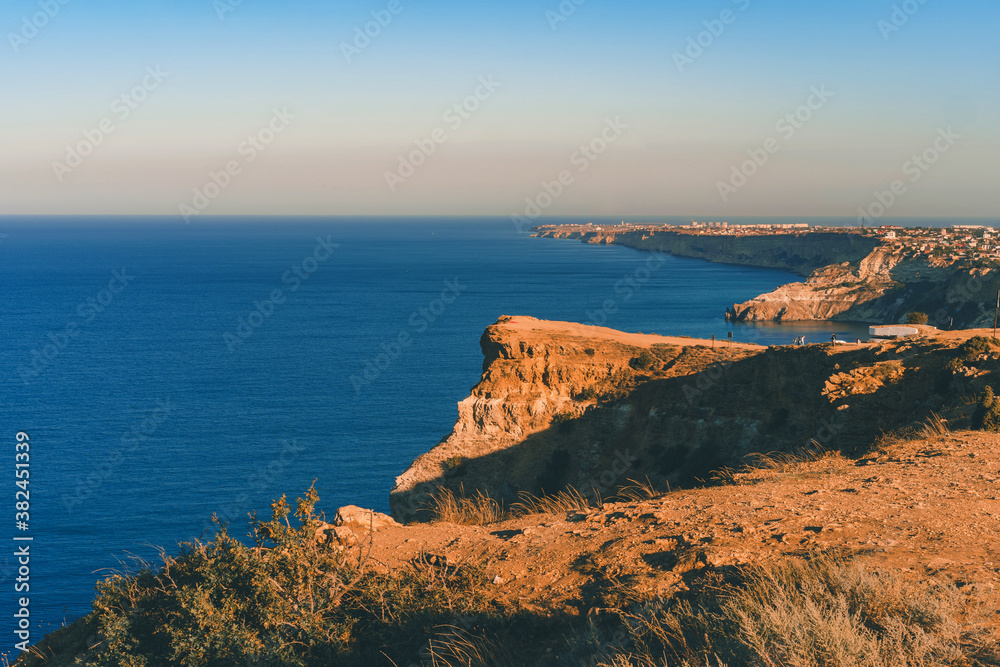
[934, 427]
[568, 500]
[782, 461]
[478, 510]
[482, 510]
[453, 646]
[637, 491]
[778, 462]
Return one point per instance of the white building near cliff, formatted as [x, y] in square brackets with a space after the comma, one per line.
[892, 331]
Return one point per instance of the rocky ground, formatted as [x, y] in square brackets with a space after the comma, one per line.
[926, 507]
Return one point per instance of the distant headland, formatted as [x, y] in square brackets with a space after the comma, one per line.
[879, 274]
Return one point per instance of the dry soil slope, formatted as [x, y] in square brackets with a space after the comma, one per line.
[924, 507]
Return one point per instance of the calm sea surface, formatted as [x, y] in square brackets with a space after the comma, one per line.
[167, 371]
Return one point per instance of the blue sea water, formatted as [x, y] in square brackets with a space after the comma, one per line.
[162, 377]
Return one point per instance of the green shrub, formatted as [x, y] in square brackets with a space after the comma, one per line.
[977, 346]
[563, 417]
[644, 362]
[987, 414]
[916, 318]
[453, 465]
[287, 599]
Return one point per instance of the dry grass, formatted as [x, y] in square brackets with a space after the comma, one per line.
[569, 500]
[638, 491]
[456, 647]
[783, 461]
[482, 510]
[777, 462]
[934, 427]
[824, 612]
[478, 510]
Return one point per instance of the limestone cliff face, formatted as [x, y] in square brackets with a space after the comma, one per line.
[566, 405]
[536, 375]
[799, 252]
[883, 287]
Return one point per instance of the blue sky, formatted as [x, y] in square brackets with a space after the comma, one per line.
[894, 87]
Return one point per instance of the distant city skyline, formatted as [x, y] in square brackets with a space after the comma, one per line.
[535, 109]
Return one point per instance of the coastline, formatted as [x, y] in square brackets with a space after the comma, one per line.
[851, 275]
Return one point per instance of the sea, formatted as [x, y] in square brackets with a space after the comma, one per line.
[163, 372]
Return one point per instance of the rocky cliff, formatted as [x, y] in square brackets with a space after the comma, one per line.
[564, 405]
[799, 252]
[538, 378]
[849, 277]
[883, 287]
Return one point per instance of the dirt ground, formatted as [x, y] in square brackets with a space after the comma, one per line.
[926, 508]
